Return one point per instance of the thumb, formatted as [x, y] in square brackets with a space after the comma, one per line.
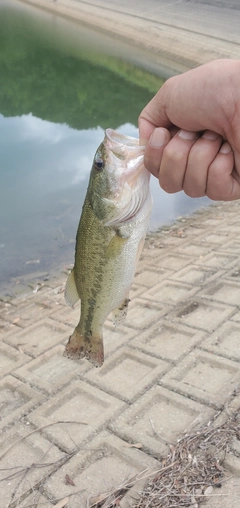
[152, 116]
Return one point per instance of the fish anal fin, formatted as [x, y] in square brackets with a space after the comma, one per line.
[71, 294]
[119, 314]
[79, 347]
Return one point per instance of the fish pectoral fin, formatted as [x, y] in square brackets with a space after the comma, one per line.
[120, 313]
[71, 295]
[116, 245]
[122, 233]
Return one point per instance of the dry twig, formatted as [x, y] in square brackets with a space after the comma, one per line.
[190, 471]
[196, 469]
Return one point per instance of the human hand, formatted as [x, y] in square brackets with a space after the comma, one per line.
[191, 129]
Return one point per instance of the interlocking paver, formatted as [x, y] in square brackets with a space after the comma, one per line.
[215, 238]
[86, 409]
[173, 261]
[232, 464]
[167, 341]
[50, 371]
[231, 408]
[204, 376]
[216, 260]
[38, 338]
[226, 497]
[24, 316]
[196, 275]
[193, 248]
[108, 460]
[10, 359]
[231, 246]
[25, 464]
[236, 316]
[142, 313]
[16, 399]
[224, 341]
[234, 273]
[67, 315]
[200, 314]
[170, 292]
[222, 291]
[127, 373]
[158, 418]
[136, 290]
[35, 499]
[6, 327]
[116, 337]
[149, 277]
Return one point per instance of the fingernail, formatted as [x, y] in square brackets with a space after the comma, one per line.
[187, 135]
[158, 138]
[210, 135]
[225, 148]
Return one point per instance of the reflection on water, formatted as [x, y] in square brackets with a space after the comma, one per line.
[58, 93]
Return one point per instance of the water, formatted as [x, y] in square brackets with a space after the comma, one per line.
[61, 86]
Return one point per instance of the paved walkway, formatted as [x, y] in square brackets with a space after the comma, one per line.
[177, 34]
[174, 363]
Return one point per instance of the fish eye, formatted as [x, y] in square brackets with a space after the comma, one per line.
[98, 164]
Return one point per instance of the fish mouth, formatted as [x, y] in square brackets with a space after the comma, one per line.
[127, 176]
[125, 151]
[117, 141]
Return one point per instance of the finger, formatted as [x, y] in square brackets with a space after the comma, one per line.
[223, 182]
[180, 101]
[154, 149]
[146, 128]
[174, 161]
[152, 116]
[200, 157]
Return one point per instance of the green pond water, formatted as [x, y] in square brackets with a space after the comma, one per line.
[62, 85]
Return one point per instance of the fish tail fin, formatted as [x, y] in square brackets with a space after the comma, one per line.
[79, 347]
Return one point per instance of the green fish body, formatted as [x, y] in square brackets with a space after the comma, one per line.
[109, 241]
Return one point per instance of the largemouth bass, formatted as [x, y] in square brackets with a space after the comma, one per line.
[109, 241]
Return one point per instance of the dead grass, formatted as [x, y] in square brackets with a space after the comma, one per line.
[192, 471]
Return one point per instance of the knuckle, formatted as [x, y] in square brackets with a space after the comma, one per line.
[152, 165]
[213, 194]
[169, 187]
[194, 193]
[175, 155]
[213, 191]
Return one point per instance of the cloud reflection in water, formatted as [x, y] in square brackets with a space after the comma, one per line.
[44, 170]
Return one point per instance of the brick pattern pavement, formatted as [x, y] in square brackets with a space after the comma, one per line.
[172, 365]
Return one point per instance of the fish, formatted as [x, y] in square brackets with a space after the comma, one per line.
[109, 241]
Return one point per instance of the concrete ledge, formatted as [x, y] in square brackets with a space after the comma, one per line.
[176, 44]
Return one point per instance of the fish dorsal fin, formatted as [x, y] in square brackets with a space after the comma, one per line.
[71, 295]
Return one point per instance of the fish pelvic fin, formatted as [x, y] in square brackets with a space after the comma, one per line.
[71, 294]
[119, 314]
[79, 347]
